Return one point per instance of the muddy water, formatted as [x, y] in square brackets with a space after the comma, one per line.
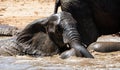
[102, 61]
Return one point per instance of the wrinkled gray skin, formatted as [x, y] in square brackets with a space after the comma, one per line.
[36, 39]
[56, 26]
[8, 46]
[35, 42]
[82, 13]
[94, 17]
[44, 37]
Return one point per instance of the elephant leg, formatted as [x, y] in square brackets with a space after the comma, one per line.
[106, 43]
[57, 4]
[104, 46]
[70, 53]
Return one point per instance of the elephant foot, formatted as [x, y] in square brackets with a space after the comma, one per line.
[104, 46]
[70, 53]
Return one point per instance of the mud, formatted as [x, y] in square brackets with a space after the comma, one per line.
[103, 61]
[21, 12]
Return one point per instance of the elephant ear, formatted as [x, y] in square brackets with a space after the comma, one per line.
[31, 30]
[37, 26]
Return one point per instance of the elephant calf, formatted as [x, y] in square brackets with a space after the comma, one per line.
[61, 29]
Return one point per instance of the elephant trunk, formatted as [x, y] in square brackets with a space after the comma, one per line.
[72, 37]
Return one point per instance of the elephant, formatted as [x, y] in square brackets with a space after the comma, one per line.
[61, 29]
[33, 40]
[94, 17]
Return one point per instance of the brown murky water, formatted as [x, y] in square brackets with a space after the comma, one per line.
[102, 61]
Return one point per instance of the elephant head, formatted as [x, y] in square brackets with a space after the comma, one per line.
[62, 30]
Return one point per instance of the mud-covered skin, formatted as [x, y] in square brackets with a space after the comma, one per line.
[39, 45]
[33, 41]
[57, 27]
[6, 30]
[8, 47]
[65, 32]
[69, 53]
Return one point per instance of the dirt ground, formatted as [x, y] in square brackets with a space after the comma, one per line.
[19, 13]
